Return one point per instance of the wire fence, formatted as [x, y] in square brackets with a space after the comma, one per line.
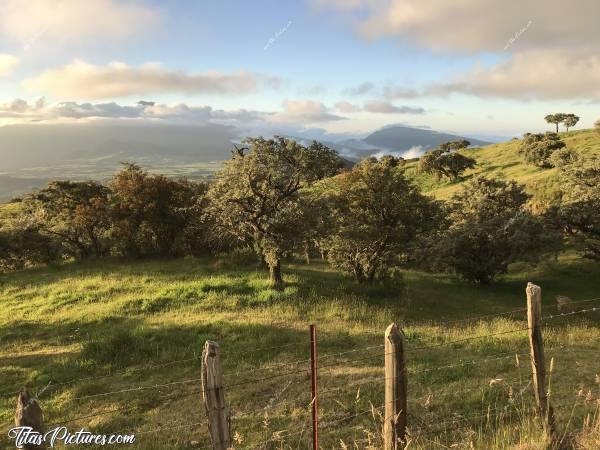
[289, 376]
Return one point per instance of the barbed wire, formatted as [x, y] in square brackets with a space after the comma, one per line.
[137, 389]
[280, 375]
[128, 371]
[583, 311]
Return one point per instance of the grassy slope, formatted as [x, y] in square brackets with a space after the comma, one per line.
[87, 320]
[503, 161]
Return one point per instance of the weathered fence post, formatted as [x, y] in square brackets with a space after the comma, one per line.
[313, 377]
[29, 414]
[538, 362]
[213, 394]
[394, 426]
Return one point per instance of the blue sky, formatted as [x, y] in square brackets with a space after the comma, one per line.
[474, 67]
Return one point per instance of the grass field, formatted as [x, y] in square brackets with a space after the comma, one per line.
[503, 161]
[110, 326]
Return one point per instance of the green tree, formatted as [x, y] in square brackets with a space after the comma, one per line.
[22, 244]
[580, 206]
[375, 215]
[489, 228]
[446, 161]
[75, 212]
[570, 120]
[256, 198]
[454, 145]
[564, 156]
[555, 119]
[538, 148]
[152, 214]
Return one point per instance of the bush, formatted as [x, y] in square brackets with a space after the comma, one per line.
[374, 216]
[538, 148]
[579, 209]
[564, 157]
[488, 229]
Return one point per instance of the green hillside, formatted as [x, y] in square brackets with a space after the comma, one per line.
[503, 161]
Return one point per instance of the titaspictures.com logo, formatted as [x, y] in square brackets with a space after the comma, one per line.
[28, 436]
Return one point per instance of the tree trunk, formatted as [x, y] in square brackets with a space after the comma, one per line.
[371, 277]
[307, 253]
[275, 274]
[359, 274]
[262, 262]
[557, 127]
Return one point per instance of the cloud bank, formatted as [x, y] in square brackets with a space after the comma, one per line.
[66, 20]
[117, 79]
[549, 53]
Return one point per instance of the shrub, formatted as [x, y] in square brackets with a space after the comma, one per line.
[488, 229]
[538, 148]
[564, 157]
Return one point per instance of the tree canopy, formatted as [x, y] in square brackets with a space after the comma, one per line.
[555, 119]
[446, 161]
[77, 212]
[256, 196]
[580, 206]
[374, 215]
[489, 227]
[570, 121]
[538, 148]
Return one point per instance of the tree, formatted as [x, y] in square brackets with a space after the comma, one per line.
[597, 126]
[570, 120]
[375, 214]
[556, 119]
[75, 212]
[489, 228]
[538, 148]
[454, 145]
[446, 161]
[579, 210]
[22, 244]
[564, 156]
[152, 214]
[256, 198]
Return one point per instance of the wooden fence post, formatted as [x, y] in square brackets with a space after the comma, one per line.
[394, 425]
[29, 414]
[213, 394]
[538, 362]
[315, 396]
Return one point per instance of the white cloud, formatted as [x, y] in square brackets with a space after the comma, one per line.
[7, 64]
[20, 110]
[305, 112]
[544, 74]
[66, 20]
[552, 53]
[413, 152]
[361, 89]
[82, 80]
[393, 93]
[477, 25]
[382, 107]
[347, 107]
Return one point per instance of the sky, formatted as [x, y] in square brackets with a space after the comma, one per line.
[338, 68]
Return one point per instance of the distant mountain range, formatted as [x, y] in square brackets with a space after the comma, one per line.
[399, 140]
[30, 155]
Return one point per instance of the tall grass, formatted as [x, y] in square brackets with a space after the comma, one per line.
[113, 325]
